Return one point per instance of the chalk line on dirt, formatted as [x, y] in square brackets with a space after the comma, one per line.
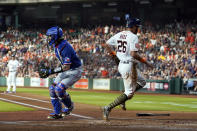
[38, 107]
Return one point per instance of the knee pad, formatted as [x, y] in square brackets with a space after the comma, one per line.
[60, 90]
[63, 96]
[52, 91]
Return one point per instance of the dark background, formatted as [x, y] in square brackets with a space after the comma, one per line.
[83, 13]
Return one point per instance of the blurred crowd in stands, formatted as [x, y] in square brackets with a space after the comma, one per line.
[172, 48]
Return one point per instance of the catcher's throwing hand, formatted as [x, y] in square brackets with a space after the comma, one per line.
[44, 72]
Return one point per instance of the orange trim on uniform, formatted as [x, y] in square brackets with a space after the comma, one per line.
[113, 53]
[143, 60]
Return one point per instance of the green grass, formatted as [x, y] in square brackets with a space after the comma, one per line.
[139, 102]
[8, 107]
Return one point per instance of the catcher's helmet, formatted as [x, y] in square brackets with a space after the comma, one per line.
[55, 33]
[133, 22]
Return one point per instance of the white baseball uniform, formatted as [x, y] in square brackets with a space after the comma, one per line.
[126, 42]
[13, 66]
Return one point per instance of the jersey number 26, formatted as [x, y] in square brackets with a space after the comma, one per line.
[122, 46]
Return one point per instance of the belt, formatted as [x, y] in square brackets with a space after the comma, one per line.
[125, 62]
[12, 71]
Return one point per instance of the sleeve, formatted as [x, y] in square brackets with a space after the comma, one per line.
[67, 61]
[134, 44]
[112, 41]
[67, 57]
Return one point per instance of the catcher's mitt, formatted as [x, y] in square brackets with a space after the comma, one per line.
[43, 72]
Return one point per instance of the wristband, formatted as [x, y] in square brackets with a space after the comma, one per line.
[143, 60]
[113, 53]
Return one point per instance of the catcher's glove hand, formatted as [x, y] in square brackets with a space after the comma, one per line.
[44, 72]
[114, 57]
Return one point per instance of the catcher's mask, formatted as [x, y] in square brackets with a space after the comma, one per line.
[54, 34]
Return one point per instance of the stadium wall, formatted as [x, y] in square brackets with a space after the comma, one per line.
[173, 86]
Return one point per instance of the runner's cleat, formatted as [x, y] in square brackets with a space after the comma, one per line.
[123, 106]
[54, 116]
[105, 113]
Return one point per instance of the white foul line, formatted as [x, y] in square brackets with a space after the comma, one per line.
[28, 98]
[20, 103]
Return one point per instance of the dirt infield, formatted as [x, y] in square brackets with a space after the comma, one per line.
[89, 118]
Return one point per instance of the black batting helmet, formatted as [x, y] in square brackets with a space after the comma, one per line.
[133, 22]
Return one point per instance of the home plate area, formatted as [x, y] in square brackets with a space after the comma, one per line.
[89, 118]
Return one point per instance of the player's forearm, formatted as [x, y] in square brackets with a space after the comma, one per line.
[109, 49]
[55, 70]
[141, 59]
[136, 56]
[60, 69]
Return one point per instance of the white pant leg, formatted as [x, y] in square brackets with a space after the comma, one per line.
[125, 71]
[9, 81]
[14, 82]
[129, 88]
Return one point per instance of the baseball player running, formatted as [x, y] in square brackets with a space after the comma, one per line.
[68, 73]
[126, 43]
[13, 66]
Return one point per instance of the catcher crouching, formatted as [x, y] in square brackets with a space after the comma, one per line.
[68, 73]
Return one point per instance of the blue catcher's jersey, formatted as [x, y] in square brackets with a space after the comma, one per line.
[67, 55]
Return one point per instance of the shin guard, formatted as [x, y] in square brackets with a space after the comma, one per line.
[66, 100]
[63, 96]
[54, 100]
[56, 105]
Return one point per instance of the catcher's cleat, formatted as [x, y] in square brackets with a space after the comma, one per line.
[106, 112]
[123, 106]
[54, 116]
[67, 111]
